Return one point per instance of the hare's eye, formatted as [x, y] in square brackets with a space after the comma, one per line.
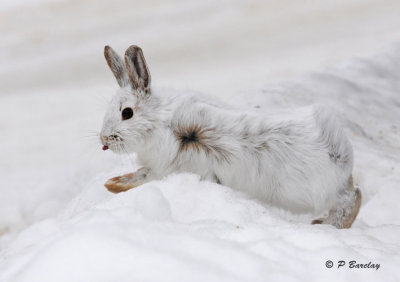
[127, 113]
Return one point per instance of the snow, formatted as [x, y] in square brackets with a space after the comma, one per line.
[59, 223]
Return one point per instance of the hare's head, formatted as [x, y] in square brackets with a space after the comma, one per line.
[128, 121]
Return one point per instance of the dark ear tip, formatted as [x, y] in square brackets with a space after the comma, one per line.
[132, 50]
[107, 50]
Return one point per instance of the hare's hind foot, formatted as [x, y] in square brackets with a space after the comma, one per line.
[127, 181]
[345, 212]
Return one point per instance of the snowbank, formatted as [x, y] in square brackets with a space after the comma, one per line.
[181, 229]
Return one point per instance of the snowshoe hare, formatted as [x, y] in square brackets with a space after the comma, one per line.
[299, 160]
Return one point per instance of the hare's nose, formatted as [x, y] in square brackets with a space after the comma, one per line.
[106, 139]
[103, 139]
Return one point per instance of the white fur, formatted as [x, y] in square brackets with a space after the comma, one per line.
[295, 172]
[298, 159]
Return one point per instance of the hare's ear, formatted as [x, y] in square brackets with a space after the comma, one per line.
[139, 75]
[117, 66]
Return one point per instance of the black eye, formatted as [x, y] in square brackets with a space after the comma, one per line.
[127, 113]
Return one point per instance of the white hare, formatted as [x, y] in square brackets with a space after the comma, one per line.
[299, 160]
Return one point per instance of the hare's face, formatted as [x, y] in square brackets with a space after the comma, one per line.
[128, 123]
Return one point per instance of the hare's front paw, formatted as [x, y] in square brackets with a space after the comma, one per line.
[120, 183]
[127, 181]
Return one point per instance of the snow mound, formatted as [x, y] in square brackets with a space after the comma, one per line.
[181, 229]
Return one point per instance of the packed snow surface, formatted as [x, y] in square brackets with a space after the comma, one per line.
[59, 223]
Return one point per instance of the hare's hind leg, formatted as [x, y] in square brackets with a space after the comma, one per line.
[346, 210]
[128, 181]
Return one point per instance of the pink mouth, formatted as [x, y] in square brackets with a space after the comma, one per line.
[105, 148]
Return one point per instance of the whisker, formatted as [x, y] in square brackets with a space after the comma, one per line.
[128, 155]
[90, 136]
